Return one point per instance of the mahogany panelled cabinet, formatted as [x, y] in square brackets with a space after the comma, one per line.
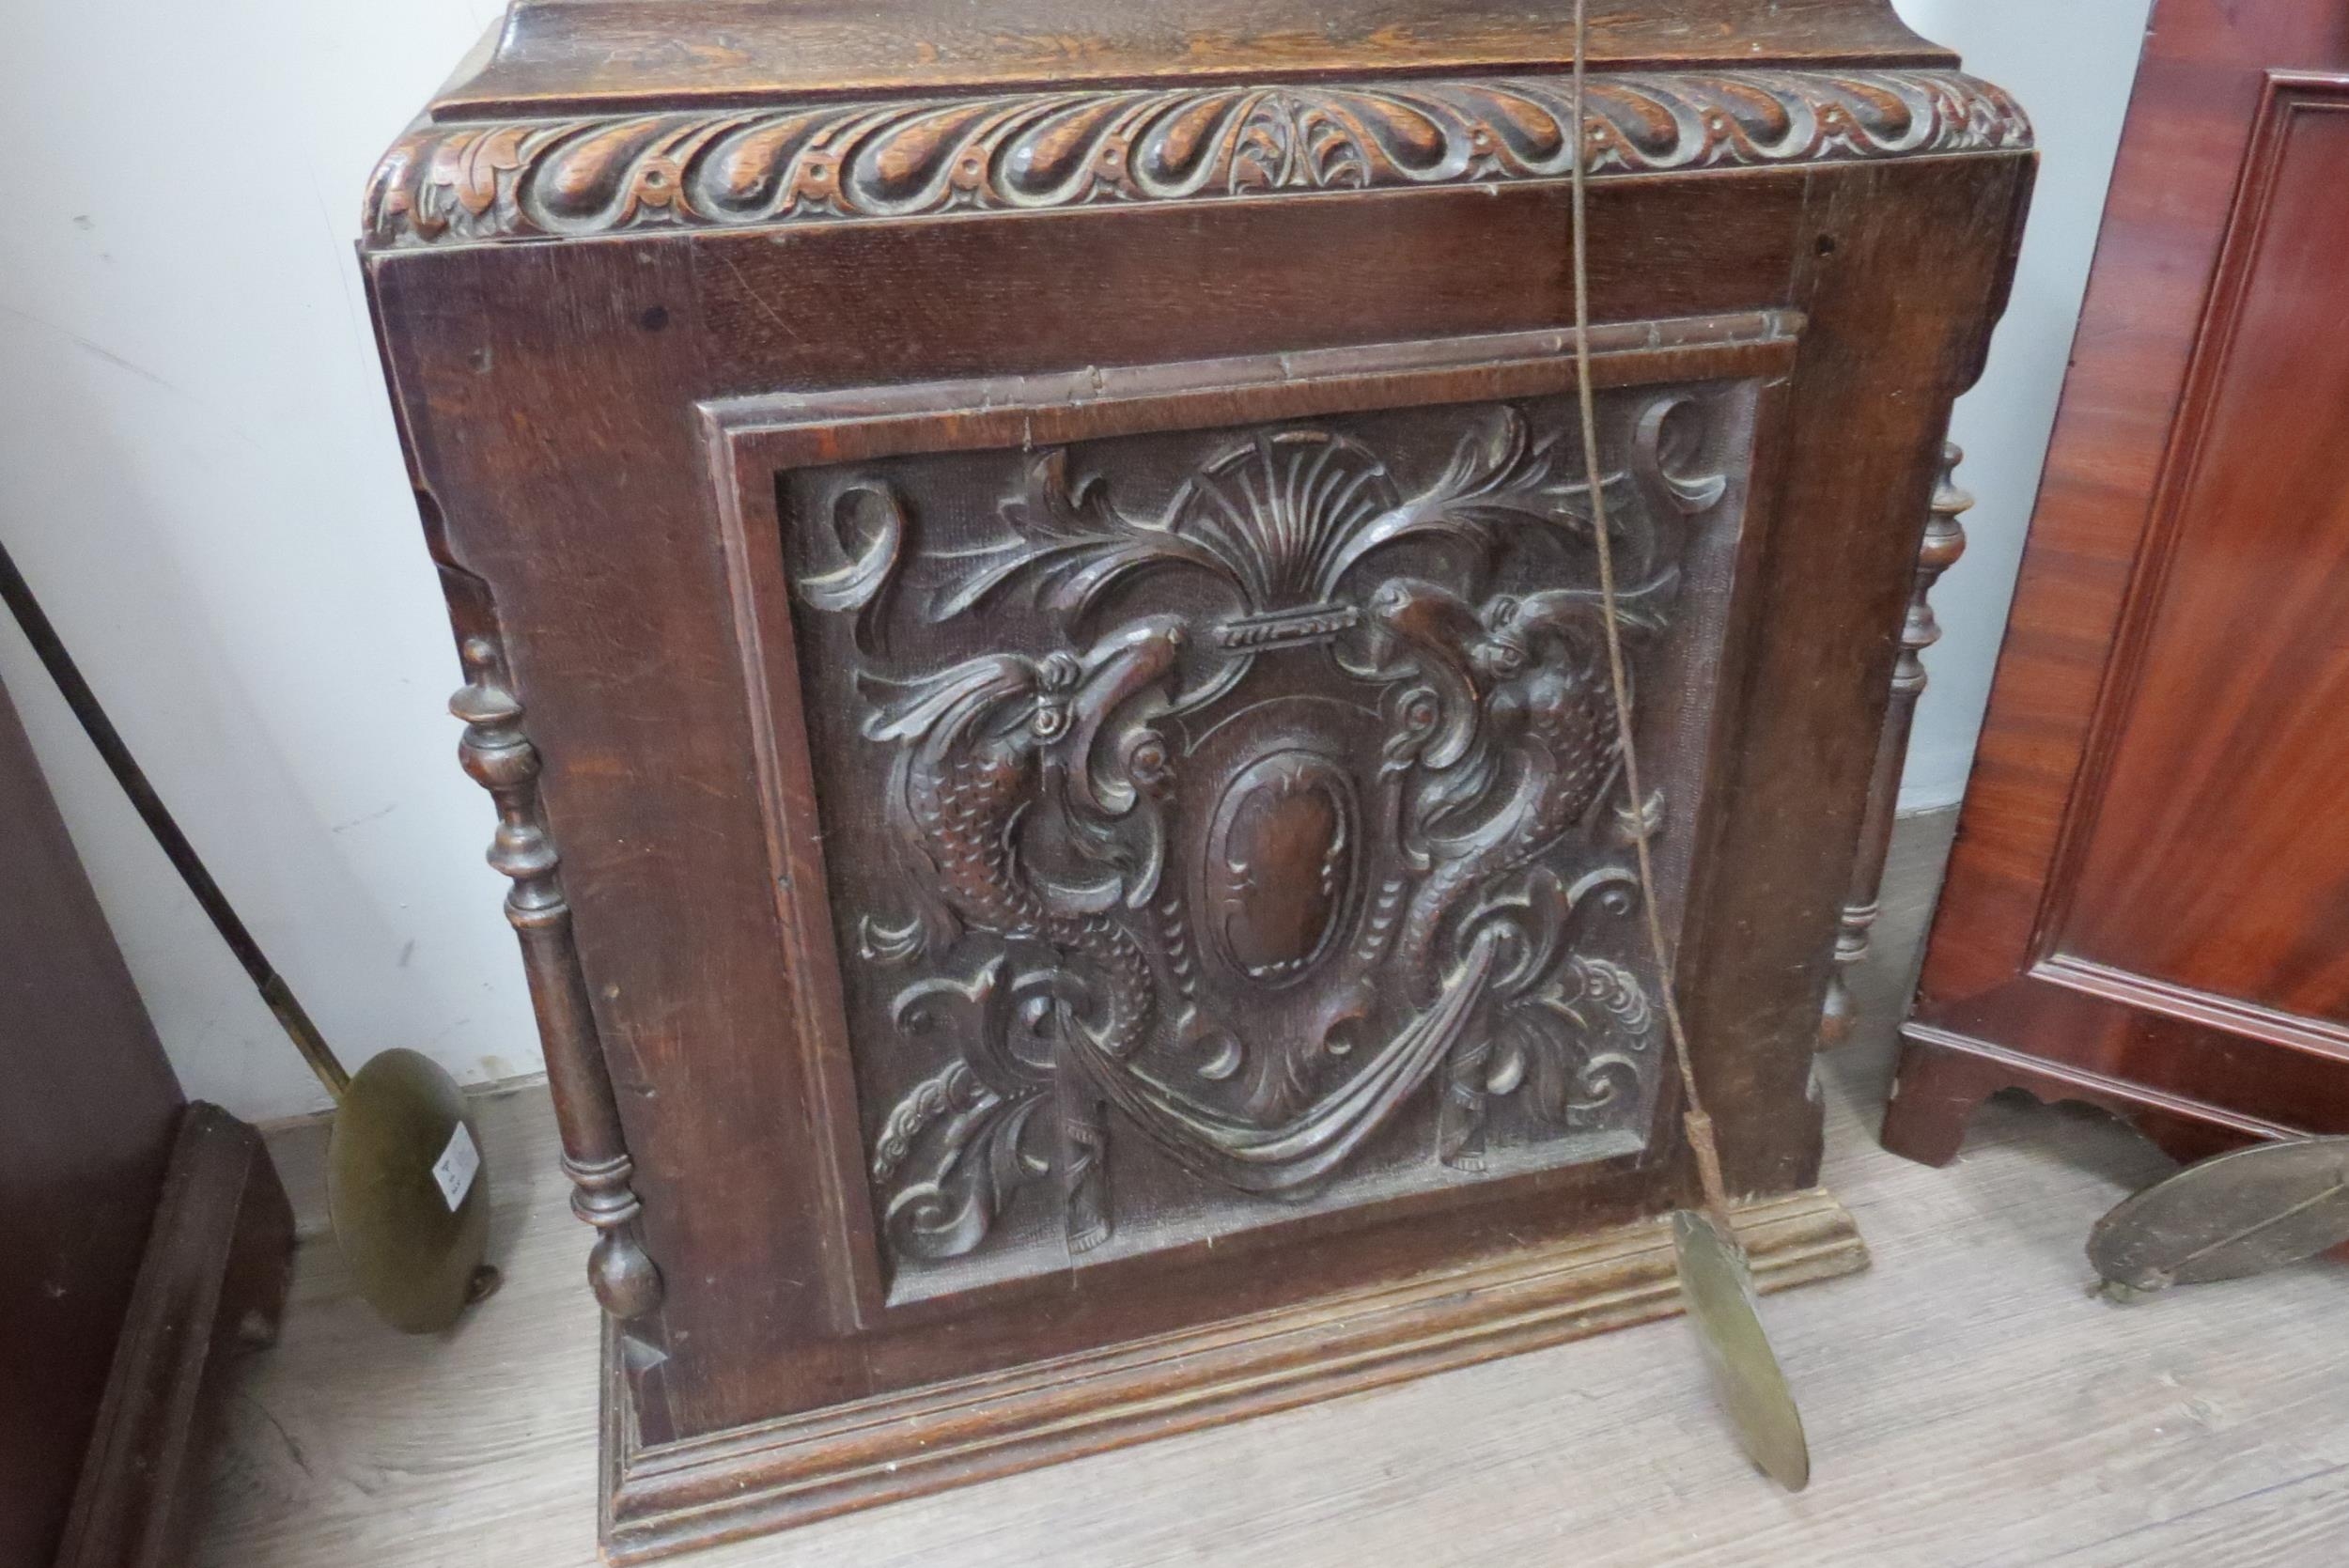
[1035, 561]
[2148, 908]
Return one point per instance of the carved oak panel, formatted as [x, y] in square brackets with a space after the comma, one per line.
[1223, 822]
[1048, 562]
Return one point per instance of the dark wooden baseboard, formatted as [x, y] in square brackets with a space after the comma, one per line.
[1945, 1075]
[674, 1496]
[212, 1277]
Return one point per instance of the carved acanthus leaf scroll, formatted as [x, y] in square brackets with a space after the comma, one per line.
[517, 179]
[1276, 746]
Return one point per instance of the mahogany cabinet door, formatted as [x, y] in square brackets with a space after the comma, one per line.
[2149, 904]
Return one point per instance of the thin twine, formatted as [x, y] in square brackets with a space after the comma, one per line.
[1698, 1124]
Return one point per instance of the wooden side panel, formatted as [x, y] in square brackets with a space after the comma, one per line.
[87, 1106]
[2213, 855]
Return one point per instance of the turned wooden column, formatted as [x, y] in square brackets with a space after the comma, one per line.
[1944, 542]
[500, 757]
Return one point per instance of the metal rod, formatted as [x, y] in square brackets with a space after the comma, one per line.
[53, 658]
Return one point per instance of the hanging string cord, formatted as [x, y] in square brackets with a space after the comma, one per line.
[1699, 1125]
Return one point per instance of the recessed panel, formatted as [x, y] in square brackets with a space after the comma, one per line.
[2208, 865]
[1229, 823]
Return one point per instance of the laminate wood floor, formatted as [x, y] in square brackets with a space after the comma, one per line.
[1970, 1403]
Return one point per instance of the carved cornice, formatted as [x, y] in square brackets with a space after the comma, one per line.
[544, 178]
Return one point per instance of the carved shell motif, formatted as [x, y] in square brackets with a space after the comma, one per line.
[1281, 858]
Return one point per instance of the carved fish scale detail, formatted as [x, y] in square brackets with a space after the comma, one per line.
[1560, 723]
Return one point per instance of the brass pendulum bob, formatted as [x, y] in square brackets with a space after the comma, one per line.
[2227, 1218]
[1716, 1277]
[401, 1143]
[1717, 1286]
[404, 1188]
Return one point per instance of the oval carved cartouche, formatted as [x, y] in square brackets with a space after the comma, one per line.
[1280, 863]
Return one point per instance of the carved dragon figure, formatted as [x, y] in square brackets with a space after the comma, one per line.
[975, 744]
[1536, 750]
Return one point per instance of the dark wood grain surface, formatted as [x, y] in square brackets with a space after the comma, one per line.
[554, 55]
[2149, 905]
[2211, 857]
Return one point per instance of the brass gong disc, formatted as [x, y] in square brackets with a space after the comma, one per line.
[1717, 1287]
[413, 1255]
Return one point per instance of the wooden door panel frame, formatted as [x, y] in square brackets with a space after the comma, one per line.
[2285, 96]
[750, 439]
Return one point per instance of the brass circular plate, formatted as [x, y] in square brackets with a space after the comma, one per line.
[412, 1257]
[2238, 1215]
[1717, 1287]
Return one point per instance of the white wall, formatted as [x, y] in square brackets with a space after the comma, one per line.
[2070, 62]
[198, 474]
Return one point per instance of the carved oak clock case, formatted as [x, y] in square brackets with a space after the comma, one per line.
[1048, 603]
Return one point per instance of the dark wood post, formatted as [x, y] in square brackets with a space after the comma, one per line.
[500, 757]
[1944, 542]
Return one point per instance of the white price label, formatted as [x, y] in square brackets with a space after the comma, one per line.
[457, 1167]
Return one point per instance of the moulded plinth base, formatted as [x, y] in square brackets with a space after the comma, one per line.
[670, 1497]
